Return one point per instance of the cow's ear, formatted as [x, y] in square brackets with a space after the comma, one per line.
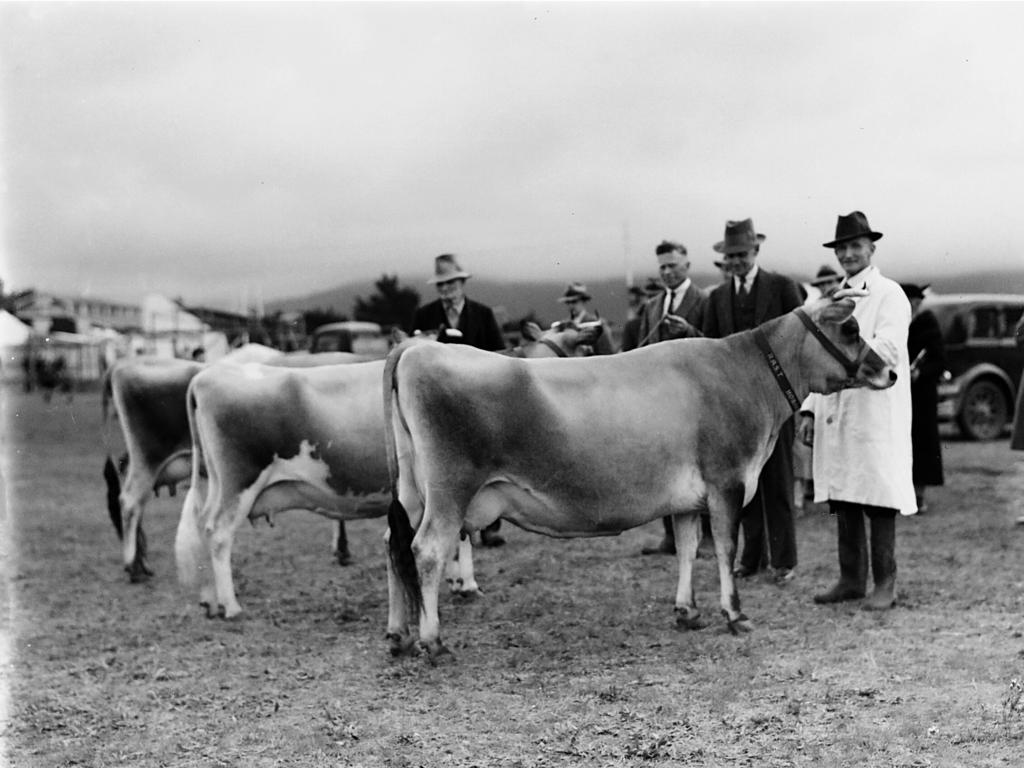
[531, 331]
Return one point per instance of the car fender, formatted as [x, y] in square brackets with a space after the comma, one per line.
[960, 384]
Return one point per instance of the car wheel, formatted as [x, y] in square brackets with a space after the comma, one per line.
[984, 412]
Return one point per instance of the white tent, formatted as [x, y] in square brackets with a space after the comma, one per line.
[13, 332]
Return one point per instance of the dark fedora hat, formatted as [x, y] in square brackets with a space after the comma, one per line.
[740, 236]
[850, 227]
[575, 292]
[913, 290]
[825, 275]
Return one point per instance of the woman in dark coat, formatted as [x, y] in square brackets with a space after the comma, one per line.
[927, 365]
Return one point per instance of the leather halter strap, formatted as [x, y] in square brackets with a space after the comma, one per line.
[776, 368]
[851, 365]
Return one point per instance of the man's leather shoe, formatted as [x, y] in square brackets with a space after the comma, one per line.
[784, 575]
[742, 572]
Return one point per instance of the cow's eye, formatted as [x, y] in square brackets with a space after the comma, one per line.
[850, 330]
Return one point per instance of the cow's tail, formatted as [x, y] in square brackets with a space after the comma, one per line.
[188, 543]
[401, 533]
[113, 479]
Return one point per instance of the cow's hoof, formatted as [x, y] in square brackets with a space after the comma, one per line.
[689, 618]
[211, 610]
[343, 558]
[467, 594]
[740, 625]
[438, 653]
[138, 574]
[401, 645]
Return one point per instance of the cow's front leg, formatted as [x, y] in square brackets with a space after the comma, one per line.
[459, 570]
[725, 528]
[340, 548]
[687, 532]
[398, 635]
[432, 547]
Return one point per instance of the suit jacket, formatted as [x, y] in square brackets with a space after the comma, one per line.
[691, 308]
[775, 296]
[477, 323]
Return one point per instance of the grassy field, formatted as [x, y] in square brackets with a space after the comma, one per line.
[571, 657]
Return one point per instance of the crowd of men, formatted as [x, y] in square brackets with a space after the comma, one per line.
[859, 440]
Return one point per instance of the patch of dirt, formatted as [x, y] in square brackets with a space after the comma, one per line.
[570, 658]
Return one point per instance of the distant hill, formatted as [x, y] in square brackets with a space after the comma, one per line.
[516, 299]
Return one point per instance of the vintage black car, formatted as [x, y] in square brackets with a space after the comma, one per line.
[984, 364]
[362, 338]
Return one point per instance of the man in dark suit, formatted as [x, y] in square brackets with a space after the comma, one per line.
[459, 320]
[676, 312]
[751, 297]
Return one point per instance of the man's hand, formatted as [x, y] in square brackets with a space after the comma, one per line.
[678, 326]
[805, 429]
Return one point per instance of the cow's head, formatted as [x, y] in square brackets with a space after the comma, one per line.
[839, 357]
[564, 338]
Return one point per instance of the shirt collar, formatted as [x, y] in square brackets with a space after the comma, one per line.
[751, 275]
[863, 278]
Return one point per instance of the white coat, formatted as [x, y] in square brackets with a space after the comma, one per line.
[862, 448]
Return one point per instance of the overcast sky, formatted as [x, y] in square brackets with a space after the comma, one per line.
[215, 152]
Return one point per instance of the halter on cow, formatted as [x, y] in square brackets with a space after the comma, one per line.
[678, 427]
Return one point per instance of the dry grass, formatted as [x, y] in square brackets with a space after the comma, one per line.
[570, 659]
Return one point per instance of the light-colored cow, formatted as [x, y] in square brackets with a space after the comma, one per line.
[595, 446]
[267, 440]
[148, 395]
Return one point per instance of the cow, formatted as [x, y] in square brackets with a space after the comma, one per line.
[148, 394]
[268, 440]
[595, 446]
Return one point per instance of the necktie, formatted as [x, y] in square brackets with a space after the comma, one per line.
[453, 316]
[743, 285]
[671, 302]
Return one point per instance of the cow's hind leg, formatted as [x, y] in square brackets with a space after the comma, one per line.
[195, 570]
[133, 544]
[687, 532]
[725, 509]
[437, 537]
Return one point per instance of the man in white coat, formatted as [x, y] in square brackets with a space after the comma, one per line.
[861, 438]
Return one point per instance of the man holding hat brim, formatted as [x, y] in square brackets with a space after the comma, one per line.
[861, 437]
[675, 312]
[459, 320]
[473, 323]
[576, 298]
[751, 297]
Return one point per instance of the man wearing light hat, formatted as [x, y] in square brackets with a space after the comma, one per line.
[456, 318]
[861, 437]
[459, 320]
[751, 297]
[576, 298]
